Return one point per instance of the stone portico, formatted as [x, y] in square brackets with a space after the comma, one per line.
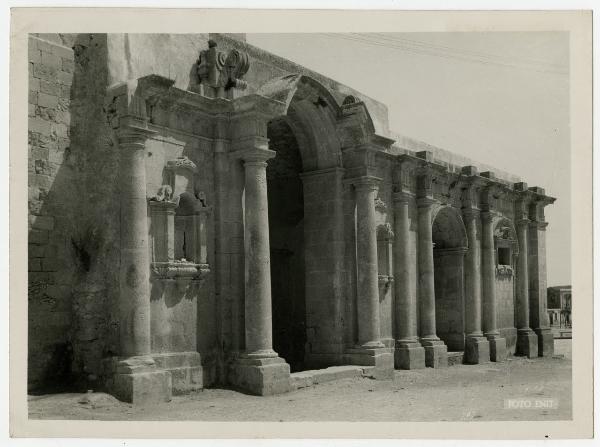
[259, 211]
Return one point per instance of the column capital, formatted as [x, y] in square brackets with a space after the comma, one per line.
[539, 225]
[471, 213]
[425, 202]
[487, 216]
[523, 222]
[132, 133]
[365, 183]
[162, 206]
[403, 197]
[253, 155]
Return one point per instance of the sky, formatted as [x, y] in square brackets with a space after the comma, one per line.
[496, 97]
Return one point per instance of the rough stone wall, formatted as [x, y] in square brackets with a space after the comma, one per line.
[74, 214]
[51, 67]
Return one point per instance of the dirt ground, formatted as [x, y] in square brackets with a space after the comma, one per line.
[457, 393]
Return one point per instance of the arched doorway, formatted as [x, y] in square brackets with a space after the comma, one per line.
[286, 240]
[450, 245]
[306, 224]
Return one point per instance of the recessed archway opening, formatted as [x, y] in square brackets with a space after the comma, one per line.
[449, 239]
[286, 239]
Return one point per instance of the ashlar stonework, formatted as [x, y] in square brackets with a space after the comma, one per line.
[204, 213]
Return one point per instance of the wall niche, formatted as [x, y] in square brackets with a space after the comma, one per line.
[178, 223]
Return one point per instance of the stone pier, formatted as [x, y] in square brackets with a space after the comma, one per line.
[477, 347]
[490, 318]
[136, 377]
[370, 349]
[409, 352]
[527, 343]
[436, 352]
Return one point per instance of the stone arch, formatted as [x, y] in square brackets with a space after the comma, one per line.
[448, 228]
[309, 190]
[449, 246]
[322, 126]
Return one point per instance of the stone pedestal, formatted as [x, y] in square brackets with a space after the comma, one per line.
[138, 380]
[381, 358]
[545, 342]
[477, 350]
[498, 351]
[187, 374]
[409, 355]
[261, 376]
[436, 353]
[527, 343]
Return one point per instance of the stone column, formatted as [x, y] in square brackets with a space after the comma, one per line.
[259, 369]
[527, 343]
[136, 378]
[436, 352]
[539, 321]
[259, 338]
[370, 349]
[409, 352]
[490, 317]
[477, 348]
[366, 260]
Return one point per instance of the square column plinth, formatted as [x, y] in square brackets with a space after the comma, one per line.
[381, 358]
[261, 376]
[477, 350]
[137, 380]
[498, 352]
[545, 342]
[436, 353]
[409, 356]
[527, 344]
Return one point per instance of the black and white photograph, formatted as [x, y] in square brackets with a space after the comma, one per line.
[325, 226]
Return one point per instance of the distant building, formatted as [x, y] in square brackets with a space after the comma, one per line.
[559, 306]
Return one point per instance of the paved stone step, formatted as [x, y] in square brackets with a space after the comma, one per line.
[311, 377]
[455, 358]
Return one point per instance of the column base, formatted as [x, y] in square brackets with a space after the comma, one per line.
[498, 352]
[261, 376]
[527, 343]
[187, 374]
[545, 342]
[436, 353]
[138, 381]
[381, 358]
[477, 350]
[409, 356]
